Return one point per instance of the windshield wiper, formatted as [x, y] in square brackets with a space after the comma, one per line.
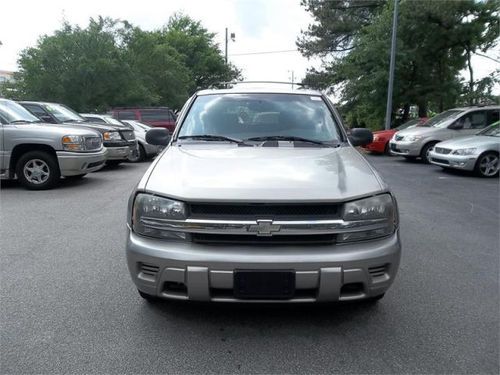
[212, 137]
[291, 139]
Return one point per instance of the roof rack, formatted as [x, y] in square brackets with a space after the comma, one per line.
[232, 83]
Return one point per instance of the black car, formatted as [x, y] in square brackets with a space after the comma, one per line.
[119, 140]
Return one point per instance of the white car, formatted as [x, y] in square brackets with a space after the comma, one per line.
[144, 149]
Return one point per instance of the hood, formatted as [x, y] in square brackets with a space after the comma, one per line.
[388, 133]
[102, 128]
[59, 129]
[468, 142]
[419, 130]
[262, 174]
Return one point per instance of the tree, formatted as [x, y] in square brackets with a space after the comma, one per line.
[433, 40]
[112, 63]
[83, 68]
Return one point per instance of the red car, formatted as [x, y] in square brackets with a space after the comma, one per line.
[381, 138]
[153, 116]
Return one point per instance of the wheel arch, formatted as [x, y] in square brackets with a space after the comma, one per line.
[21, 149]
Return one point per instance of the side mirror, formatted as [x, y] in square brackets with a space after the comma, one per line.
[158, 137]
[360, 136]
[456, 125]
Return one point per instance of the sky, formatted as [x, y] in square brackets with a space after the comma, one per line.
[259, 26]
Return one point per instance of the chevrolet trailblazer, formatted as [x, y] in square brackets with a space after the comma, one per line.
[260, 196]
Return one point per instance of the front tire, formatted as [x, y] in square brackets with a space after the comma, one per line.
[38, 170]
[138, 155]
[487, 165]
[424, 154]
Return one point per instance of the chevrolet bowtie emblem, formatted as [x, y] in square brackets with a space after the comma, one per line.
[264, 228]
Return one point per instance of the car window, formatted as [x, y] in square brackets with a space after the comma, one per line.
[35, 109]
[246, 116]
[493, 116]
[63, 113]
[156, 115]
[473, 120]
[14, 112]
[126, 115]
[441, 120]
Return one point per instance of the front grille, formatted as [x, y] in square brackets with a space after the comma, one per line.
[319, 239]
[441, 150]
[440, 161]
[398, 137]
[93, 143]
[263, 211]
[127, 135]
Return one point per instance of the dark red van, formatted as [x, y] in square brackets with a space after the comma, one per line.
[154, 116]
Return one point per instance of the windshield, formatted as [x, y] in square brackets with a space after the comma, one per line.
[63, 113]
[13, 112]
[440, 121]
[407, 124]
[244, 116]
[492, 130]
[137, 125]
[112, 121]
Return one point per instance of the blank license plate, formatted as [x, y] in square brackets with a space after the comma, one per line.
[269, 284]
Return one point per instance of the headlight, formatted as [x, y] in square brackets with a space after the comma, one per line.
[412, 138]
[150, 212]
[464, 151]
[369, 218]
[72, 143]
[112, 136]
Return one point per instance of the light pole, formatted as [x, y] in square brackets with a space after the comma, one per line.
[390, 87]
[293, 77]
[233, 37]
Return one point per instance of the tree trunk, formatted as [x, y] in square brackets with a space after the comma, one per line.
[422, 108]
[471, 76]
[406, 112]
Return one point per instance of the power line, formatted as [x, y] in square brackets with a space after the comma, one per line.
[263, 52]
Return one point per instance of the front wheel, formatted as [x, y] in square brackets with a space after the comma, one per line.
[425, 153]
[487, 165]
[38, 170]
[138, 155]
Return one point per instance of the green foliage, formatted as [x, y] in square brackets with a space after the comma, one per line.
[434, 39]
[112, 63]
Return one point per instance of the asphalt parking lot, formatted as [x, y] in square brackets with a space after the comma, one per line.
[68, 304]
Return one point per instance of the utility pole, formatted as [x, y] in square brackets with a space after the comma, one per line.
[226, 46]
[293, 77]
[233, 38]
[390, 87]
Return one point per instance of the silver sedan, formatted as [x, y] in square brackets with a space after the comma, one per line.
[478, 153]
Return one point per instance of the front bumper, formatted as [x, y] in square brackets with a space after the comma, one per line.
[73, 163]
[466, 162]
[119, 153]
[403, 148]
[190, 271]
[376, 146]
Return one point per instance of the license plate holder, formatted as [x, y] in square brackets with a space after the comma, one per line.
[268, 284]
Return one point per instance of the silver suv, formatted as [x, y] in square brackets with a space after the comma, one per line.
[261, 196]
[39, 154]
[419, 141]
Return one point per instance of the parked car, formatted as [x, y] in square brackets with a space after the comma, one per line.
[38, 154]
[478, 153]
[457, 122]
[155, 116]
[144, 149]
[119, 141]
[381, 138]
[261, 196]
